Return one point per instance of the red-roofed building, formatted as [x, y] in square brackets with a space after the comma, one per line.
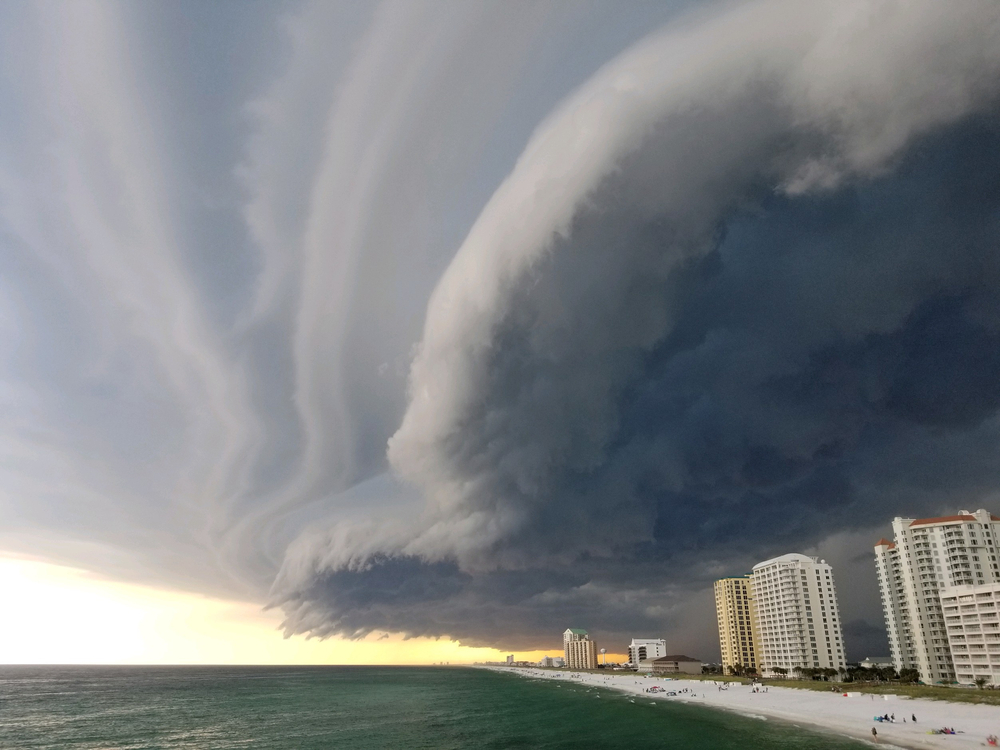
[927, 557]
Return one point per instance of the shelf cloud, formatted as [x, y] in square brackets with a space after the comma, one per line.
[483, 320]
[738, 292]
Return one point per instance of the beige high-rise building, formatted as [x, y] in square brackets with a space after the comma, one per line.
[928, 559]
[734, 607]
[578, 650]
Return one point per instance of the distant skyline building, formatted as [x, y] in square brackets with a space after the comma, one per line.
[646, 648]
[579, 652]
[971, 616]
[797, 616]
[734, 610]
[926, 557]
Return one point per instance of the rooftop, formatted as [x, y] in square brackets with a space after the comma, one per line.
[791, 557]
[962, 516]
[942, 519]
[676, 657]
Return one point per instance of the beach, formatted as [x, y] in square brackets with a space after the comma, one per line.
[850, 716]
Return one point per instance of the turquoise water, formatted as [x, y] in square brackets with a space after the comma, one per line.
[219, 708]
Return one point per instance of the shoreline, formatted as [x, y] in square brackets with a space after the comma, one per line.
[816, 710]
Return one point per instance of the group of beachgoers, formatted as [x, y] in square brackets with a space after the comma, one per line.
[755, 687]
[991, 740]
[891, 718]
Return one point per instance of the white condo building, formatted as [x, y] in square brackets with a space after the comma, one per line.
[646, 648]
[971, 615]
[797, 617]
[927, 558]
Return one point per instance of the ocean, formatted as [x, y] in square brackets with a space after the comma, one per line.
[286, 708]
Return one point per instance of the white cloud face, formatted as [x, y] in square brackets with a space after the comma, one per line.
[678, 131]
[600, 291]
[569, 299]
[217, 241]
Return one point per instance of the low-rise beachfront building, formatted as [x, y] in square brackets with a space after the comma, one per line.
[796, 615]
[579, 652]
[646, 648]
[972, 616]
[734, 610]
[926, 556]
[676, 664]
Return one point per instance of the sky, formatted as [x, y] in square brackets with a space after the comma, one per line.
[409, 332]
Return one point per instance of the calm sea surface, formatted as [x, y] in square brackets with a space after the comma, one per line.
[218, 708]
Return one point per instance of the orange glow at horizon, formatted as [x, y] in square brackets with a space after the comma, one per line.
[63, 615]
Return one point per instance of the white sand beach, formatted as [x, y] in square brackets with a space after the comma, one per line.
[851, 716]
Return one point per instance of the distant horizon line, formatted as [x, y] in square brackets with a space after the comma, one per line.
[277, 666]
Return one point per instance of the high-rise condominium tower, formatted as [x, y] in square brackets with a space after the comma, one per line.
[798, 621]
[927, 557]
[972, 614]
[734, 608]
[578, 650]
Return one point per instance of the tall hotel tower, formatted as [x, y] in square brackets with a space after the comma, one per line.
[735, 612]
[798, 621]
[579, 652]
[926, 560]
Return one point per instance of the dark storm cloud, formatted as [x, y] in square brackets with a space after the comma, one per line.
[735, 297]
[760, 307]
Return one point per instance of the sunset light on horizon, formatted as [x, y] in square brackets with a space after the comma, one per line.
[68, 616]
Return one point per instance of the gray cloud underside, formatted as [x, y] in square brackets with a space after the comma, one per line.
[738, 295]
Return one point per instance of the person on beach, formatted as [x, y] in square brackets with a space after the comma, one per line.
[874, 734]
[913, 718]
